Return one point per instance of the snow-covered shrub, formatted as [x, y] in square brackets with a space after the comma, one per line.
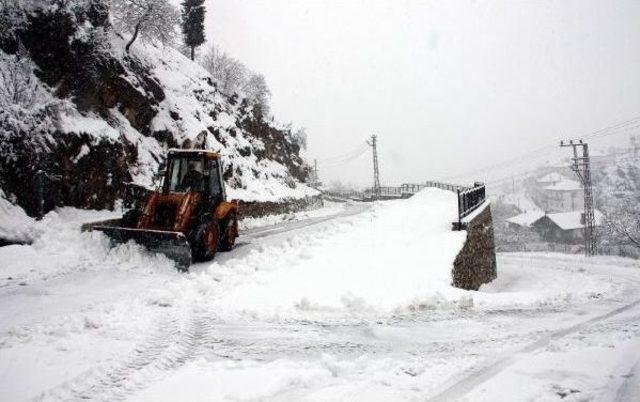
[233, 77]
[19, 87]
[151, 20]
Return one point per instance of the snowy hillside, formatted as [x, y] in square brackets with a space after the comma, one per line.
[94, 117]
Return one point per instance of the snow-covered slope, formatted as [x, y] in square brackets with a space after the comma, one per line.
[93, 116]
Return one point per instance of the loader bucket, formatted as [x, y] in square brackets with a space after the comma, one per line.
[172, 244]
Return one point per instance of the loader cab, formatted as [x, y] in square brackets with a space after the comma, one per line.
[195, 170]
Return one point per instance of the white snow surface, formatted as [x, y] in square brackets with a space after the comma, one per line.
[15, 224]
[358, 307]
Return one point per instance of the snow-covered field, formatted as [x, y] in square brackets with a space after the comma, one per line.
[350, 304]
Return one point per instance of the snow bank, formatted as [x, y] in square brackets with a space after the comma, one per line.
[62, 249]
[15, 224]
[398, 256]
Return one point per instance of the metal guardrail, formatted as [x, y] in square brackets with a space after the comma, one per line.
[469, 198]
[468, 201]
[409, 188]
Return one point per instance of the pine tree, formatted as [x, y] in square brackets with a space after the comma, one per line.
[193, 24]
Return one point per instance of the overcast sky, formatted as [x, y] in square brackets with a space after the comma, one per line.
[448, 86]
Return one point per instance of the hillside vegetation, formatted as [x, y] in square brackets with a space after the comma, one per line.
[77, 106]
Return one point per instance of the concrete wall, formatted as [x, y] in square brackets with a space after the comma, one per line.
[476, 262]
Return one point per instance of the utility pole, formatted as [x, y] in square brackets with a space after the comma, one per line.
[373, 141]
[316, 178]
[581, 166]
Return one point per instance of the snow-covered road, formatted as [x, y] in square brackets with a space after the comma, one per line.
[348, 304]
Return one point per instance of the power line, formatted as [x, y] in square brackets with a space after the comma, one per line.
[613, 129]
[346, 160]
[349, 155]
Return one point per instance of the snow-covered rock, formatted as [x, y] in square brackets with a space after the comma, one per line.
[95, 117]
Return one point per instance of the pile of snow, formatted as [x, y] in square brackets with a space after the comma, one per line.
[15, 225]
[396, 257]
[62, 249]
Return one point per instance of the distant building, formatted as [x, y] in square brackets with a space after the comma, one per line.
[564, 227]
[560, 227]
[554, 192]
[564, 195]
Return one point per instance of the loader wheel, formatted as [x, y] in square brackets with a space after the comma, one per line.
[206, 241]
[230, 233]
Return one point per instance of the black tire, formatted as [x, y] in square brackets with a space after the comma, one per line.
[229, 233]
[200, 248]
[131, 218]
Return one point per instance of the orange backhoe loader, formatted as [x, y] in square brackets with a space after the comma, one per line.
[188, 219]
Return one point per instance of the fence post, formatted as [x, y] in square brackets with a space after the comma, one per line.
[459, 211]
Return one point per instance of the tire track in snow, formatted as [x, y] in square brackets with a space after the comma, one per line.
[480, 375]
[284, 227]
[171, 347]
[630, 388]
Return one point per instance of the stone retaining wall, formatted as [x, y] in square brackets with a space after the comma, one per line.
[476, 262]
[258, 209]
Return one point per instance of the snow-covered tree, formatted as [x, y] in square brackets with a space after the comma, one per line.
[299, 136]
[233, 77]
[18, 85]
[622, 221]
[152, 20]
[256, 89]
[227, 71]
[193, 24]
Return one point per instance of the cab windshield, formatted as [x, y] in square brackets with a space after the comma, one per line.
[186, 174]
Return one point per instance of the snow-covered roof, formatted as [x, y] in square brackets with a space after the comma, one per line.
[551, 178]
[526, 218]
[573, 220]
[565, 185]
